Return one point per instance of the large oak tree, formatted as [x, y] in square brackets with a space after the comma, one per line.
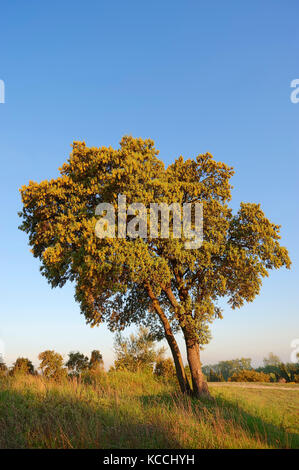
[151, 281]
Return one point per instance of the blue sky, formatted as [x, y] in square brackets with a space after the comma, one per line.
[194, 76]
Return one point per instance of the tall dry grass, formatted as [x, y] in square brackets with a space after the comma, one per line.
[125, 410]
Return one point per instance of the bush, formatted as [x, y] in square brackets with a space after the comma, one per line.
[165, 368]
[249, 376]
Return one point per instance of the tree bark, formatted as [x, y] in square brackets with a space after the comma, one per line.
[176, 354]
[199, 385]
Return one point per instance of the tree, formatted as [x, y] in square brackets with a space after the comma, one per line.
[226, 369]
[96, 363]
[155, 282]
[271, 360]
[76, 363]
[51, 365]
[137, 352]
[288, 371]
[214, 376]
[22, 366]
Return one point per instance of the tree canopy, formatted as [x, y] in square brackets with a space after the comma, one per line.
[96, 363]
[22, 366]
[51, 365]
[151, 281]
[77, 362]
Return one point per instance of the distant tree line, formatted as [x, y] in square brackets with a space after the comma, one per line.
[138, 353]
[241, 370]
[52, 365]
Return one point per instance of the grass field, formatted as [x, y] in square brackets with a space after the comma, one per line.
[126, 410]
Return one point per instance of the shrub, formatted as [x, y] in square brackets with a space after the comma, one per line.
[249, 376]
[165, 368]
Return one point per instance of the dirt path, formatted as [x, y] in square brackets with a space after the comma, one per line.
[249, 385]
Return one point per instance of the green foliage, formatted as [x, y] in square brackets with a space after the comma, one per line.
[226, 369]
[288, 371]
[51, 365]
[76, 363]
[136, 352]
[22, 366]
[214, 376]
[165, 368]
[155, 282]
[278, 370]
[249, 376]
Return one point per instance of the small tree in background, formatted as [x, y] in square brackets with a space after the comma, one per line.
[271, 360]
[77, 363]
[136, 352]
[96, 363]
[22, 366]
[51, 365]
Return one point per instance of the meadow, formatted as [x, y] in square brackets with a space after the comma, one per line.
[127, 410]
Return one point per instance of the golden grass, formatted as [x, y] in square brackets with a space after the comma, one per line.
[125, 410]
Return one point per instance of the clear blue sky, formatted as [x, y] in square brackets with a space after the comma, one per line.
[195, 76]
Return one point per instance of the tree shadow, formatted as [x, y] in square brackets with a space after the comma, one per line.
[255, 426]
[56, 421]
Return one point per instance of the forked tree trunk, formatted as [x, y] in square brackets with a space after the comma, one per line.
[176, 354]
[199, 385]
[178, 362]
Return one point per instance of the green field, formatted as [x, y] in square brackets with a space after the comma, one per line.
[126, 410]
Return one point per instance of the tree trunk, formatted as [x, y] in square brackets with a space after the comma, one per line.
[176, 354]
[178, 362]
[199, 385]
